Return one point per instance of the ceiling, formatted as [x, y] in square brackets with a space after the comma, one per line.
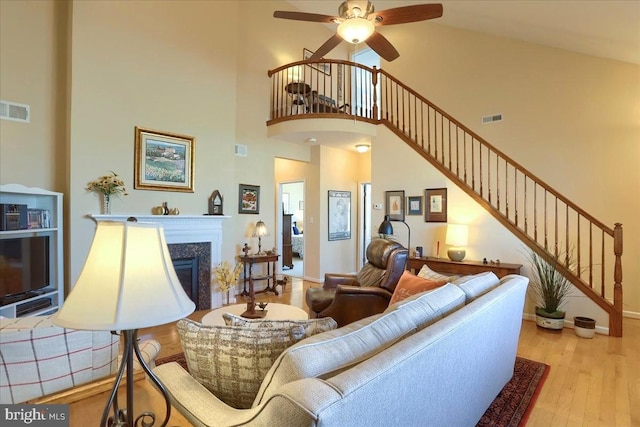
[603, 28]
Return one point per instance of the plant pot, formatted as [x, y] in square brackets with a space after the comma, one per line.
[550, 320]
[584, 327]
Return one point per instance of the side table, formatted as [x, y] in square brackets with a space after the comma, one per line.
[270, 277]
[446, 266]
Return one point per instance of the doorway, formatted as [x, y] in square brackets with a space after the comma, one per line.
[291, 242]
[366, 231]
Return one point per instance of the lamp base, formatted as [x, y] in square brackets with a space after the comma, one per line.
[456, 254]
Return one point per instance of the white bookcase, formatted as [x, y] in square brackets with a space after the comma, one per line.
[36, 198]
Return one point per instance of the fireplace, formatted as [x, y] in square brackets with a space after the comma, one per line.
[190, 236]
[192, 262]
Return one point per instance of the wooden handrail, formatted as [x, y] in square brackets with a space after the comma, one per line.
[542, 218]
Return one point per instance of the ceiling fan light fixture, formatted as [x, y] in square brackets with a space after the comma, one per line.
[356, 30]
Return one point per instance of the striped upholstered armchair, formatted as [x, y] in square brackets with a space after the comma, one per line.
[38, 358]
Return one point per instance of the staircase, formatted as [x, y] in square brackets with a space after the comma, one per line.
[542, 218]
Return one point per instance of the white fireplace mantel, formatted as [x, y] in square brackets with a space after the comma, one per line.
[185, 229]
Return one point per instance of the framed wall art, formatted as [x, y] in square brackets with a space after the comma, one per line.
[163, 161]
[414, 205]
[324, 68]
[249, 199]
[394, 206]
[435, 205]
[339, 215]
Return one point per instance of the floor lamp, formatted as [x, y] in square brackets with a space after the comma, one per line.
[128, 282]
[386, 229]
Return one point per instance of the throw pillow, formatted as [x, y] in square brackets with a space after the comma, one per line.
[311, 326]
[409, 284]
[231, 361]
[427, 273]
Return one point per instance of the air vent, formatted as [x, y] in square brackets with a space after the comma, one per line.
[491, 119]
[14, 111]
[241, 150]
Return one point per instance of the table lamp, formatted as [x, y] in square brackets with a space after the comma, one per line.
[259, 231]
[127, 282]
[457, 237]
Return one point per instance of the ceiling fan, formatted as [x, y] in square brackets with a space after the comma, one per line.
[357, 21]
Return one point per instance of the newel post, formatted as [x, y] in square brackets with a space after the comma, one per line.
[615, 324]
[374, 81]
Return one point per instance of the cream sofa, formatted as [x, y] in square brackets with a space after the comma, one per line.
[38, 358]
[438, 358]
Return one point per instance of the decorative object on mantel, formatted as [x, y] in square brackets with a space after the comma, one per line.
[174, 211]
[107, 185]
[127, 283]
[157, 210]
[226, 278]
[216, 203]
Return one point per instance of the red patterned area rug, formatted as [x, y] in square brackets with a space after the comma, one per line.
[510, 408]
[515, 401]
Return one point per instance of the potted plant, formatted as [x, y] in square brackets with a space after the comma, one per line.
[550, 288]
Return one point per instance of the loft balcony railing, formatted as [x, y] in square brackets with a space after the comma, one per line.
[543, 219]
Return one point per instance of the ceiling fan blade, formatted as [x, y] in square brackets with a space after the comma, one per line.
[402, 15]
[382, 46]
[326, 47]
[303, 16]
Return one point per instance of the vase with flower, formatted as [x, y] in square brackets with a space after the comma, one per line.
[226, 277]
[107, 186]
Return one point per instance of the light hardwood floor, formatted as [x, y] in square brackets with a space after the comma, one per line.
[592, 382]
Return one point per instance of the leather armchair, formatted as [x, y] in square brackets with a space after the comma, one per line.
[350, 297]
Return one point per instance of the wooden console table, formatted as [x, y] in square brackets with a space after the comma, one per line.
[446, 266]
[270, 277]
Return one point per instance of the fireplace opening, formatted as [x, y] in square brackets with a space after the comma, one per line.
[187, 272]
[192, 262]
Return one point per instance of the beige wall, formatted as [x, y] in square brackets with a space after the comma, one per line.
[164, 65]
[572, 119]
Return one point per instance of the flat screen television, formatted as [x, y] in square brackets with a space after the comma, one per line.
[24, 265]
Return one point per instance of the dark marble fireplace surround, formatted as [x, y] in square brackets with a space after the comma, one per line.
[201, 254]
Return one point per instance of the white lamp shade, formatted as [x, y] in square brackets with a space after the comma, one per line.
[260, 229]
[127, 282]
[457, 235]
[356, 30]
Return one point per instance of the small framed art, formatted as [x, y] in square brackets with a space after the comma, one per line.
[394, 206]
[435, 205]
[414, 205]
[249, 199]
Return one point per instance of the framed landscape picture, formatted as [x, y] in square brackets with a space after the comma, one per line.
[249, 199]
[163, 161]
